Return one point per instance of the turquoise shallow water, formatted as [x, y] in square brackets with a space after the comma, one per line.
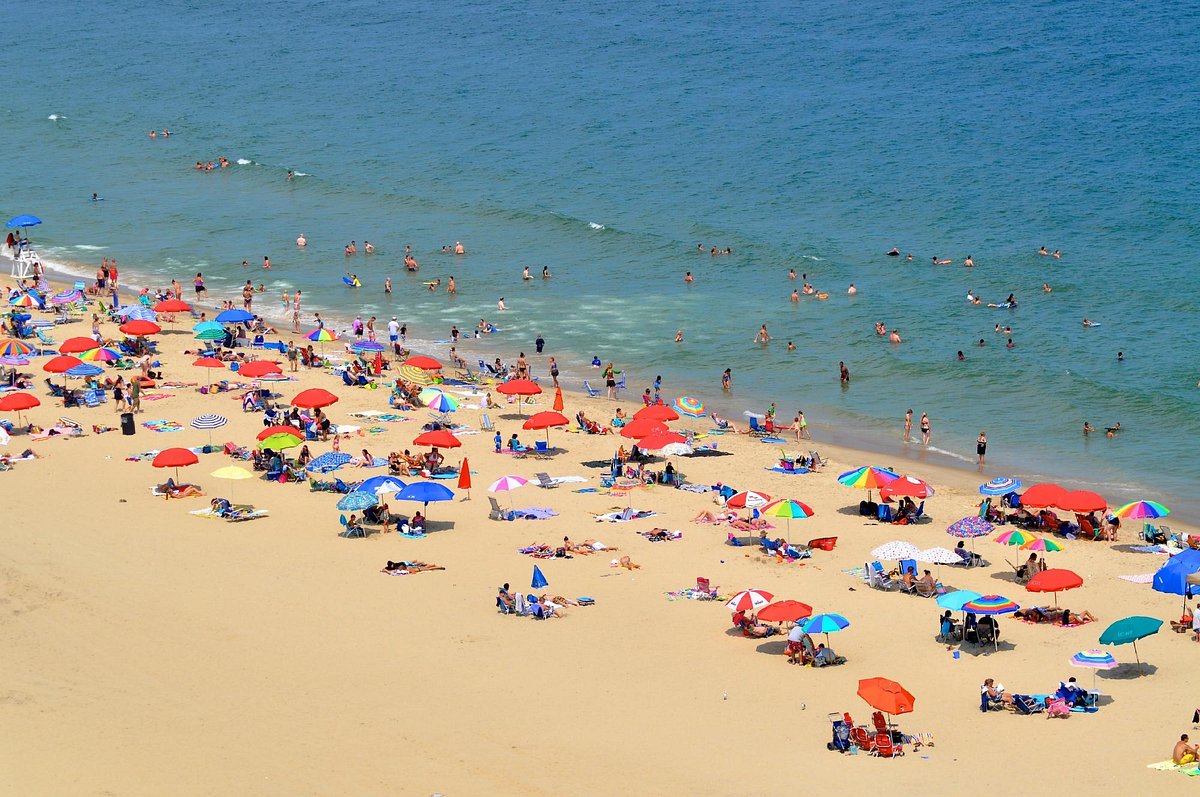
[607, 143]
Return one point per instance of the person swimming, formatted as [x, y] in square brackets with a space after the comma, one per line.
[894, 252]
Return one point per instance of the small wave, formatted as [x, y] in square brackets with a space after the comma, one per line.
[89, 247]
[595, 226]
[54, 117]
[244, 162]
[950, 454]
[300, 174]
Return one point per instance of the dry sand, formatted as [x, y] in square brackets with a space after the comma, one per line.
[152, 652]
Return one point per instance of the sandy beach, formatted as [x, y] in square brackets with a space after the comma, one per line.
[156, 652]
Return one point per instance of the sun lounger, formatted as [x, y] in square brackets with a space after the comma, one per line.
[544, 480]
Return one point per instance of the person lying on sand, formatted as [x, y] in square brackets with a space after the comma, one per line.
[409, 567]
[628, 563]
[711, 517]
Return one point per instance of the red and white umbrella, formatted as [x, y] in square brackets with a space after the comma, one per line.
[749, 600]
[748, 499]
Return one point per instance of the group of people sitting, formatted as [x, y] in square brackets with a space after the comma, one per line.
[800, 648]
[540, 607]
[1069, 695]
[1085, 527]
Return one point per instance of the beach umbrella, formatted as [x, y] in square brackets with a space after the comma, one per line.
[313, 398]
[539, 581]
[259, 368]
[279, 429]
[886, 696]
[905, 485]
[1041, 544]
[787, 509]
[417, 376]
[438, 401]
[1015, 537]
[209, 422]
[506, 484]
[692, 408]
[99, 355]
[520, 388]
[990, 604]
[422, 362]
[954, 601]
[67, 297]
[1094, 660]
[367, 345]
[322, 335]
[24, 220]
[12, 347]
[175, 458]
[657, 412]
[660, 441]
[1054, 580]
[558, 400]
[18, 402]
[204, 326]
[357, 501]
[232, 473]
[382, 485]
[85, 369]
[1130, 630]
[138, 312]
[5, 439]
[140, 328]
[544, 420]
[233, 316]
[464, 478]
[748, 499]
[24, 300]
[210, 334]
[1172, 577]
[15, 360]
[281, 441]
[77, 345]
[172, 306]
[208, 362]
[61, 364]
[439, 438]
[784, 612]
[1081, 501]
[938, 556]
[637, 429]
[748, 600]
[1141, 510]
[969, 528]
[896, 549]
[1043, 495]
[823, 624]
[867, 478]
[330, 460]
[425, 492]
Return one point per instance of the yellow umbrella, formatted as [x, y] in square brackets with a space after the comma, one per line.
[233, 473]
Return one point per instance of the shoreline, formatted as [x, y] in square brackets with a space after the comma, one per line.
[870, 446]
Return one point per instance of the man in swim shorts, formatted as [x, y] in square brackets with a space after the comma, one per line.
[1184, 753]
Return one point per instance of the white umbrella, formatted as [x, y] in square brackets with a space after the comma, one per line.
[938, 556]
[896, 549]
[506, 484]
[676, 450]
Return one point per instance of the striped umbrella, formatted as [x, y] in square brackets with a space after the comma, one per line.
[1094, 660]
[991, 604]
[210, 334]
[14, 360]
[23, 300]
[867, 478]
[1041, 544]
[825, 624]
[11, 347]
[209, 421]
[67, 297]
[137, 312]
[506, 484]
[1015, 537]
[1141, 510]
[748, 499]
[367, 345]
[691, 407]
[99, 355]
[1001, 485]
[357, 501]
[322, 335]
[438, 401]
[418, 376]
[85, 369]
[749, 600]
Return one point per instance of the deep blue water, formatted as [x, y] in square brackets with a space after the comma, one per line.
[606, 143]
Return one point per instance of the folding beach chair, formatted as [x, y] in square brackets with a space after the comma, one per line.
[497, 513]
[591, 391]
[543, 480]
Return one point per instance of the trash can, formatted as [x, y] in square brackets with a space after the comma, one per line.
[127, 426]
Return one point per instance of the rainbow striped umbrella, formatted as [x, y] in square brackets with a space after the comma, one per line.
[868, 477]
[1139, 510]
[1041, 544]
[14, 348]
[990, 604]
[438, 401]
[99, 355]
[1094, 660]
[787, 509]
[23, 300]
[321, 335]
[1015, 537]
[691, 407]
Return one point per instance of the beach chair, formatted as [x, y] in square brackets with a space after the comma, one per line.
[769, 546]
[348, 532]
[46, 341]
[541, 446]
[259, 342]
[920, 515]
[591, 391]
[880, 580]
[884, 513]
[862, 740]
[543, 480]
[94, 398]
[885, 747]
[704, 586]
[1025, 704]
[756, 429]
[485, 423]
[496, 513]
[621, 382]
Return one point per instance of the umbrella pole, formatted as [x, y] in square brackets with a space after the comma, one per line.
[1137, 658]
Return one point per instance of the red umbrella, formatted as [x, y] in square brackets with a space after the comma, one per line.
[905, 485]
[440, 438]
[1081, 501]
[748, 499]
[657, 412]
[271, 430]
[424, 363]
[138, 328]
[782, 611]
[464, 478]
[172, 306]
[259, 368]
[175, 458]
[314, 397]
[77, 345]
[887, 696]
[544, 420]
[661, 440]
[749, 599]
[61, 364]
[1054, 580]
[558, 400]
[208, 362]
[18, 402]
[643, 427]
[519, 387]
[1042, 495]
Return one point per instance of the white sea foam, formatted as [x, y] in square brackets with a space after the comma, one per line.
[54, 117]
[595, 226]
[300, 174]
[89, 247]
[244, 162]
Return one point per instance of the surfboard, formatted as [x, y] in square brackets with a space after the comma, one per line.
[1093, 324]
[349, 282]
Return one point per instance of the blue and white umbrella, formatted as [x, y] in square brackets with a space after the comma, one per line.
[825, 624]
[85, 369]
[330, 460]
[137, 312]
[1001, 485]
[357, 501]
[234, 316]
[366, 345]
[209, 421]
[382, 485]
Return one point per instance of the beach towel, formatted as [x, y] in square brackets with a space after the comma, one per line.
[1159, 549]
[57, 431]
[156, 396]
[693, 594]
[236, 515]
[532, 513]
[696, 488]
[412, 535]
[624, 515]
[1055, 623]
[671, 535]
[585, 490]
[792, 472]
[1141, 578]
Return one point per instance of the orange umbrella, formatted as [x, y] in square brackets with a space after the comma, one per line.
[464, 478]
[558, 399]
[887, 696]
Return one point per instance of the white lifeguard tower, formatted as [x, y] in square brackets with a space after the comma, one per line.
[23, 264]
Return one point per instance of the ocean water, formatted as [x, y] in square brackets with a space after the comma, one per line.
[606, 143]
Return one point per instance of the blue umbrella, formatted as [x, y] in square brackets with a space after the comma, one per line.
[365, 345]
[382, 484]
[24, 220]
[425, 492]
[85, 369]
[137, 312]
[1001, 485]
[539, 580]
[207, 325]
[1130, 630]
[1171, 578]
[954, 600]
[330, 460]
[234, 316]
[357, 501]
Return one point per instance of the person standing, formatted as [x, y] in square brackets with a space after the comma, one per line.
[247, 296]
[540, 344]
[135, 395]
[198, 283]
[554, 371]
[393, 331]
[981, 446]
[908, 425]
[727, 380]
[371, 329]
[610, 381]
[293, 355]
[925, 428]
[844, 372]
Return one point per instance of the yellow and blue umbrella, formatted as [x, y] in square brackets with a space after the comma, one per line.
[691, 407]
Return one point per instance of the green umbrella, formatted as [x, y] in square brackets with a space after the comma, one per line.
[280, 442]
[210, 334]
[1130, 630]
